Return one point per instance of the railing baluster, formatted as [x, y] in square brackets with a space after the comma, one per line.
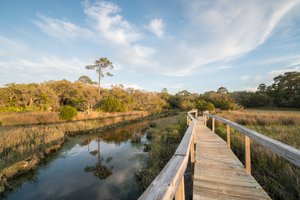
[180, 191]
[213, 124]
[228, 135]
[192, 153]
[247, 154]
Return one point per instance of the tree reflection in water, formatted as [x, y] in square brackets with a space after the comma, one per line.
[100, 170]
[131, 132]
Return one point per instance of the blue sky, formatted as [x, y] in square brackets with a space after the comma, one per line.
[176, 44]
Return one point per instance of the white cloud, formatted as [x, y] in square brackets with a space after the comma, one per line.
[134, 86]
[245, 78]
[215, 33]
[11, 47]
[108, 27]
[277, 72]
[106, 19]
[20, 63]
[61, 28]
[221, 31]
[251, 89]
[258, 78]
[157, 27]
[225, 30]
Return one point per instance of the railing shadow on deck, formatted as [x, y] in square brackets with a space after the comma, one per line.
[169, 183]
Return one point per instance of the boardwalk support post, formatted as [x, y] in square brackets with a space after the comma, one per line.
[228, 135]
[192, 153]
[247, 154]
[180, 191]
[213, 125]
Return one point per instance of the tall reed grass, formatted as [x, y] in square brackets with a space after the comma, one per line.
[25, 118]
[164, 136]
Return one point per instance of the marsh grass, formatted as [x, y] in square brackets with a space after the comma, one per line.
[164, 135]
[278, 177]
[33, 118]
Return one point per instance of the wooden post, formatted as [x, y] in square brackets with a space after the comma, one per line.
[228, 136]
[180, 191]
[193, 151]
[247, 154]
[187, 120]
[213, 124]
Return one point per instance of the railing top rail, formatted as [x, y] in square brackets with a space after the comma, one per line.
[289, 153]
[190, 114]
[165, 185]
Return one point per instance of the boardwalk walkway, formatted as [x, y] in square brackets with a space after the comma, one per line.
[218, 173]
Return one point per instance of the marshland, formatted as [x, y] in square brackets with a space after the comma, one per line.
[103, 99]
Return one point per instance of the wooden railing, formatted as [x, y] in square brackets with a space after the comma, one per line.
[287, 152]
[169, 183]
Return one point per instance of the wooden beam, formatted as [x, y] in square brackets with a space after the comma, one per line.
[180, 191]
[247, 154]
[228, 135]
[213, 124]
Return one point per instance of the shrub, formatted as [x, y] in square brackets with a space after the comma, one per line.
[67, 112]
[203, 105]
[110, 104]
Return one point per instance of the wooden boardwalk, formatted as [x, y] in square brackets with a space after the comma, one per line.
[218, 173]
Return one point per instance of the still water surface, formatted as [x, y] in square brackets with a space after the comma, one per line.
[100, 166]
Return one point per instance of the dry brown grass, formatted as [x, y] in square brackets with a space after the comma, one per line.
[13, 118]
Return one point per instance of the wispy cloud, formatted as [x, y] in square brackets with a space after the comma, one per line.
[157, 27]
[229, 29]
[109, 23]
[245, 78]
[222, 31]
[61, 28]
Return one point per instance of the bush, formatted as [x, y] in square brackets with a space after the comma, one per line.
[203, 105]
[110, 104]
[67, 112]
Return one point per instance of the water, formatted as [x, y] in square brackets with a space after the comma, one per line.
[99, 166]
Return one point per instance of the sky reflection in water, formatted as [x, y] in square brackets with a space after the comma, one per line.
[71, 174]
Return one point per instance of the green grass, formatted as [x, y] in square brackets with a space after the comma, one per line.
[164, 135]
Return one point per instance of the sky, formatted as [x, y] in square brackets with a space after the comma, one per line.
[194, 45]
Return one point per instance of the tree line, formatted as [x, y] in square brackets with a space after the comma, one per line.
[84, 96]
[283, 92]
